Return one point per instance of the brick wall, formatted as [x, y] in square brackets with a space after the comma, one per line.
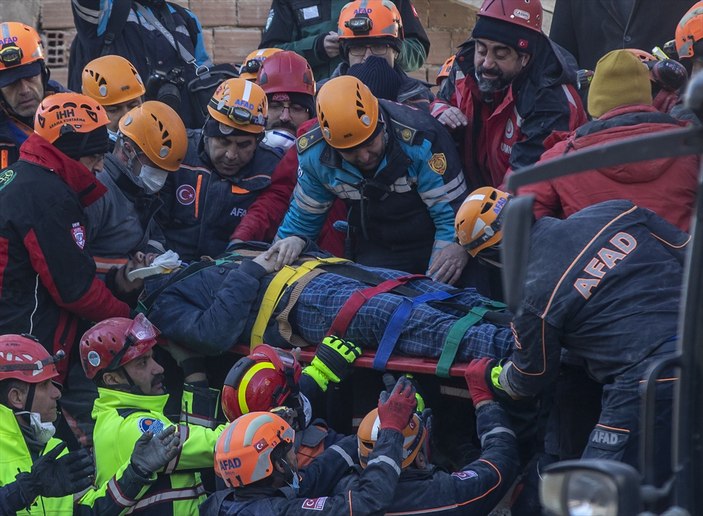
[232, 29]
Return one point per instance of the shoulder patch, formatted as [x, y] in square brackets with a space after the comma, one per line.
[6, 177]
[150, 424]
[314, 504]
[465, 475]
[403, 132]
[438, 163]
[309, 139]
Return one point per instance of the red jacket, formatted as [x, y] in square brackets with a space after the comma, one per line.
[265, 215]
[666, 186]
[511, 135]
[47, 275]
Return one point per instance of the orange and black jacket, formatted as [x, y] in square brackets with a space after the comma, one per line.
[47, 276]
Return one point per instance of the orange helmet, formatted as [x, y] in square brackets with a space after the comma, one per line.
[239, 104]
[252, 63]
[21, 52]
[370, 19]
[159, 132]
[63, 113]
[112, 343]
[23, 358]
[414, 436]
[689, 31]
[524, 13]
[111, 80]
[643, 56]
[347, 123]
[286, 72]
[261, 381]
[444, 71]
[243, 450]
[479, 220]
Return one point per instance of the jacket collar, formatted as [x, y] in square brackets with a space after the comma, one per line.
[38, 151]
[114, 399]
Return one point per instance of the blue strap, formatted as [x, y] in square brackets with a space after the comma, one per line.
[396, 323]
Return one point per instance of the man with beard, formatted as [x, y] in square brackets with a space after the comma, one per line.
[510, 87]
[24, 82]
[225, 169]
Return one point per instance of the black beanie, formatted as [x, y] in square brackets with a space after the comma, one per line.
[378, 76]
[76, 145]
[520, 38]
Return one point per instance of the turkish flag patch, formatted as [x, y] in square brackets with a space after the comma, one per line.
[314, 504]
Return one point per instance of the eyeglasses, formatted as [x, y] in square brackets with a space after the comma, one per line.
[294, 109]
[360, 50]
[11, 55]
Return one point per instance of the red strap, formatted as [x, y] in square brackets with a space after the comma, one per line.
[358, 298]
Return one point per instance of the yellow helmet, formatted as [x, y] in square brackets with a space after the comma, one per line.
[479, 220]
[252, 63]
[240, 104]
[159, 132]
[347, 112]
[111, 80]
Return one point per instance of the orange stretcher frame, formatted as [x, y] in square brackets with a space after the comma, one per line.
[401, 364]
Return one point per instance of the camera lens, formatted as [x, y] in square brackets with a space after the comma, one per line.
[169, 95]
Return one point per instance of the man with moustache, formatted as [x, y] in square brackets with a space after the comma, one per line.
[510, 87]
[226, 167]
[118, 355]
[24, 82]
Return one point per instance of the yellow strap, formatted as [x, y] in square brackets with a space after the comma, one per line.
[282, 280]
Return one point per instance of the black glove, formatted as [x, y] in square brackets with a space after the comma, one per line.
[54, 477]
[153, 452]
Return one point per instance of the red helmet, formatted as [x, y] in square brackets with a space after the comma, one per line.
[526, 13]
[259, 382]
[112, 343]
[22, 358]
[286, 72]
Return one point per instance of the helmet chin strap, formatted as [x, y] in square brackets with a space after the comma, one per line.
[130, 386]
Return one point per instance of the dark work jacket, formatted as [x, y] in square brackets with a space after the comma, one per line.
[610, 296]
[47, 275]
[202, 208]
[14, 131]
[589, 29]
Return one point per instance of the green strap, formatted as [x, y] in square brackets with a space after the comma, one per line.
[456, 332]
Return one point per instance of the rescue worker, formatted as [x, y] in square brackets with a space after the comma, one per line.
[163, 41]
[225, 169]
[287, 80]
[212, 305]
[397, 170]
[620, 101]
[370, 41]
[268, 483]
[423, 488]
[24, 82]
[509, 89]
[117, 354]
[249, 69]
[49, 282]
[151, 143]
[116, 85]
[286, 76]
[271, 379]
[668, 79]
[311, 31]
[36, 472]
[609, 302]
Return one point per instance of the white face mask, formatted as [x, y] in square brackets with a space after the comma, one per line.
[152, 179]
[41, 432]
